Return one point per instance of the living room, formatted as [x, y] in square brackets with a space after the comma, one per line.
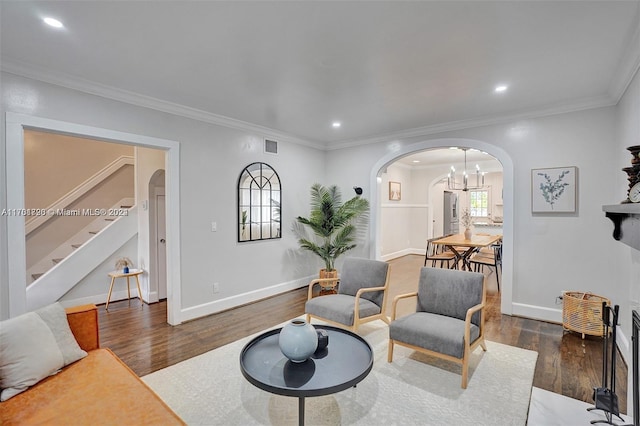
[589, 127]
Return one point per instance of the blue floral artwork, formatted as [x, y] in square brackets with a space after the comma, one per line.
[553, 190]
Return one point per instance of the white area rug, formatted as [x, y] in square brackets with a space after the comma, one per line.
[413, 390]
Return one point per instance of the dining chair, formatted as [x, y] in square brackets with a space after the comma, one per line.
[490, 249]
[437, 253]
[489, 257]
[361, 297]
[449, 318]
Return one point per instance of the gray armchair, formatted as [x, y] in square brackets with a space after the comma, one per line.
[361, 297]
[449, 318]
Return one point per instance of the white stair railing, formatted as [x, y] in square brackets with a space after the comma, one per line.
[39, 268]
[66, 200]
[58, 280]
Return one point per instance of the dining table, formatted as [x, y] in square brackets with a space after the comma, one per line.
[463, 248]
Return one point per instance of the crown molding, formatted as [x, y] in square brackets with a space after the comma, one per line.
[75, 83]
[580, 105]
[629, 65]
[23, 69]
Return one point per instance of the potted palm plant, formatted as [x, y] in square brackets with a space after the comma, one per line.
[333, 224]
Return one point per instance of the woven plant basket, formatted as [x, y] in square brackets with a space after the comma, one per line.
[329, 287]
[582, 313]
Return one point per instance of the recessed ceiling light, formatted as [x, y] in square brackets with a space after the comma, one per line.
[53, 22]
[416, 161]
[336, 124]
[501, 88]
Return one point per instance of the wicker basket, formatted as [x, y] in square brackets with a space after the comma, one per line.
[582, 313]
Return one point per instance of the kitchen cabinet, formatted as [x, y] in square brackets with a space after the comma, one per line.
[488, 228]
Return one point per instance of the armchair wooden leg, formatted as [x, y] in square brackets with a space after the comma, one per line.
[308, 319]
[465, 366]
[390, 353]
[465, 372]
[483, 345]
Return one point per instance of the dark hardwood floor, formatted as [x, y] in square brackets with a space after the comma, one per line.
[140, 336]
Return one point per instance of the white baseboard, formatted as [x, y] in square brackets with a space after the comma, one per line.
[100, 299]
[397, 254]
[537, 312]
[153, 297]
[241, 299]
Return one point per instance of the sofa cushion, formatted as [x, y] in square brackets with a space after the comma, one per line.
[363, 273]
[434, 332]
[340, 308]
[33, 346]
[97, 390]
[450, 292]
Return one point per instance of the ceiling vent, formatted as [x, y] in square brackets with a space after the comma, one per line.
[270, 147]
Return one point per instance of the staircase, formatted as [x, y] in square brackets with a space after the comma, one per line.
[65, 271]
[69, 198]
[78, 240]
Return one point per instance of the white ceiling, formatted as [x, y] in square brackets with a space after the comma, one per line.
[381, 68]
[443, 159]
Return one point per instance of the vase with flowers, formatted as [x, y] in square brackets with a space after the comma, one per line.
[124, 263]
[466, 221]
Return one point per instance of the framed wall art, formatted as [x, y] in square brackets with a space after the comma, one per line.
[394, 191]
[554, 190]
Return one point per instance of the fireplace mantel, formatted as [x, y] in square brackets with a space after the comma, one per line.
[626, 223]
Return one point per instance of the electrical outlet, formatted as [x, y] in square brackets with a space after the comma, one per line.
[216, 287]
[214, 226]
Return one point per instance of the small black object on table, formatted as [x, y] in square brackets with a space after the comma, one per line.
[342, 364]
[323, 340]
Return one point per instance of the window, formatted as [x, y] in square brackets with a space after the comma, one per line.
[258, 203]
[479, 203]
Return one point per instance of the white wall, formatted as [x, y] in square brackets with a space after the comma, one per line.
[211, 158]
[94, 288]
[430, 189]
[397, 214]
[550, 253]
[625, 259]
[56, 164]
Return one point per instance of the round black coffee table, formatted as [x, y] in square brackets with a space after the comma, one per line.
[345, 362]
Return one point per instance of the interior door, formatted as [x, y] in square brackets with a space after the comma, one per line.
[161, 244]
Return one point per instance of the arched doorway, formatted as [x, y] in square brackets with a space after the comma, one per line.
[508, 185]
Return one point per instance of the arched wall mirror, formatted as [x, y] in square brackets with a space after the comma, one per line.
[259, 193]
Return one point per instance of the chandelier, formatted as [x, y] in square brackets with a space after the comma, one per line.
[454, 185]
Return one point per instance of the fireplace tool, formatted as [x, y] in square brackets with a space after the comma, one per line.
[605, 397]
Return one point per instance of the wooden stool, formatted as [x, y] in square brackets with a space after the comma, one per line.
[119, 274]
